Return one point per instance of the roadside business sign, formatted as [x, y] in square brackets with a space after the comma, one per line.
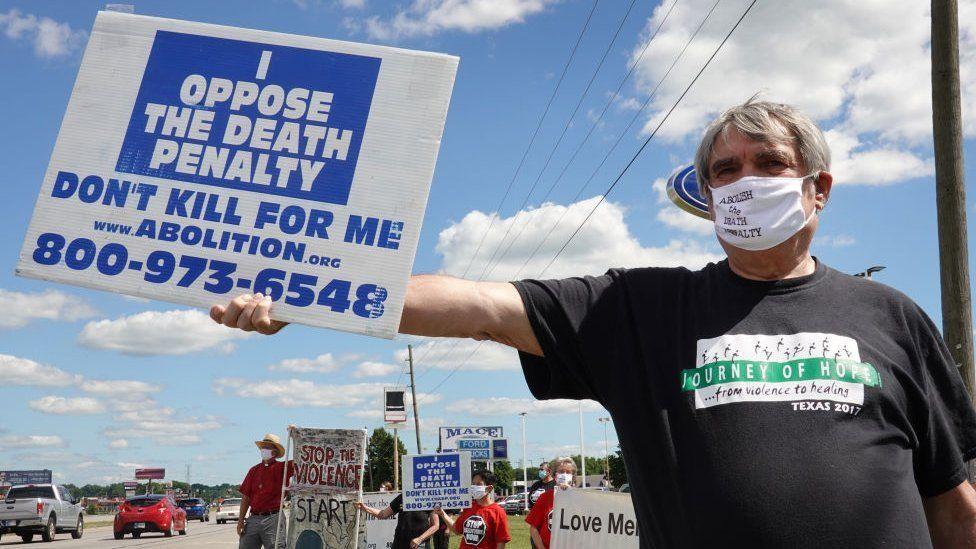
[328, 482]
[394, 405]
[499, 449]
[436, 480]
[449, 436]
[198, 162]
[151, 473]
[590, 519]
[478, 448]
[682, 189]
[34, 476]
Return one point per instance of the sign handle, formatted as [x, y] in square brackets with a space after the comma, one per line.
[281, 499]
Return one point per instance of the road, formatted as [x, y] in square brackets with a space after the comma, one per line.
[198, 534]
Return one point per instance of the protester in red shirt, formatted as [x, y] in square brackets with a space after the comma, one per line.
[261, 493]
[484, 525]
[540, 518]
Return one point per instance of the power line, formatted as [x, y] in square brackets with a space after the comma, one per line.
[525, 153]
[586, 139]
[555, 147]
[623, 171]
[648, 140]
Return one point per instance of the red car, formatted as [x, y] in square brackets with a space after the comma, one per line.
[152, 513]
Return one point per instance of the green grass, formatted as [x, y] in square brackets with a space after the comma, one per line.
[516, 527]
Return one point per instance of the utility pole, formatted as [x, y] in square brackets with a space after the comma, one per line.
[525, 469]
[582, 447]
[413, 393]
[950, 187]
[396, 460]
[606, 448]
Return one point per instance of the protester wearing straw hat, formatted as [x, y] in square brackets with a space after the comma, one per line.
[765, 400]
[261, 493]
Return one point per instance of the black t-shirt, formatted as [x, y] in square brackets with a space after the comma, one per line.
[537, 489]
[410, 524]
[810, 412]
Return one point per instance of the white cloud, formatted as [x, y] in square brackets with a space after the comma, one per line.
[444, 354]
[428, 17]
[857, 73]
[375, 369]
[295, 393]
[48, 37]
[505, 406]
[119, 389]
[164, 427]
[118, 444]
[29, 441]
[25, 372]
[353, 3]
[605, 241]
[322, 364]
[675, 217]
[21, 309]
[160, 333]
[835, 241]
[66, 406]
[129, 465]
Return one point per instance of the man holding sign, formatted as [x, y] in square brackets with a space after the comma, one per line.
[261, 494]
[763, 383]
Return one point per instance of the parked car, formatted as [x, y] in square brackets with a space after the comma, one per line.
[196, 509]
[514, 504]
[624, 488]
[152, 513]
[44, 509]
[229, 509]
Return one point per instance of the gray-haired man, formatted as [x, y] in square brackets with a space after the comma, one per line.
[766, 400]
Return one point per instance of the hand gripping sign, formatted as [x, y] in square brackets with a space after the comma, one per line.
[327, 484]
[198, 162]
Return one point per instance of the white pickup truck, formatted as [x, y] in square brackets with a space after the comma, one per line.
[44, 509]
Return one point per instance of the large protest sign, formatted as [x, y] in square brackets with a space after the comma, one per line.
[379, 532]
[436, 480]
[197, 162]
[327, 483]
[592, 519]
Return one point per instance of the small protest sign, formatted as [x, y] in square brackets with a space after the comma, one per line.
[198, 162]
[327, 483]
[436, 480]
[593, 519]
[379, 532]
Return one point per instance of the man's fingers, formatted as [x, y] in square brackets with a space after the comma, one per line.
[244, 320]
[234, 308]
[261, 318]
[217, 313]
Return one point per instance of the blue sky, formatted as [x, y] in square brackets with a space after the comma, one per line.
[110, 359]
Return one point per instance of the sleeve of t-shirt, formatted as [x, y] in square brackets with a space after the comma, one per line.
[246, 485]
[571, 319]
[539, 512]
[397, 504]
[501, 526]
[947, 422]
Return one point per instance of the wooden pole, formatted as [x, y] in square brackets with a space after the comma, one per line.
[413, 393]
[957, 322]
[951, 188]
[396, 460]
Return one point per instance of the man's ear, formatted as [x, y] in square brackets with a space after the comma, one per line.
[822, 185]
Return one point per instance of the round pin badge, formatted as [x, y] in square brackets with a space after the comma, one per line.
[683, 191]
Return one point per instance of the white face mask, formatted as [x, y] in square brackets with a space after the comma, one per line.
[564, 478]
[757, 213]
[266, 454]
[478, 492]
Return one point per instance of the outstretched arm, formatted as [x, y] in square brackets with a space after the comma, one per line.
[435, 306]
[952, 517]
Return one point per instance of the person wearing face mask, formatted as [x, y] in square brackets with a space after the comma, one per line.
[261, 494]
[540, 518]
[544, 483]
[764, 400]
[484, 525]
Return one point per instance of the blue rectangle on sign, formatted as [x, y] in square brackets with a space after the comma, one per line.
[266, 118]
[473, 444]
[481, 454]
[441, 471]
[499, 448]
